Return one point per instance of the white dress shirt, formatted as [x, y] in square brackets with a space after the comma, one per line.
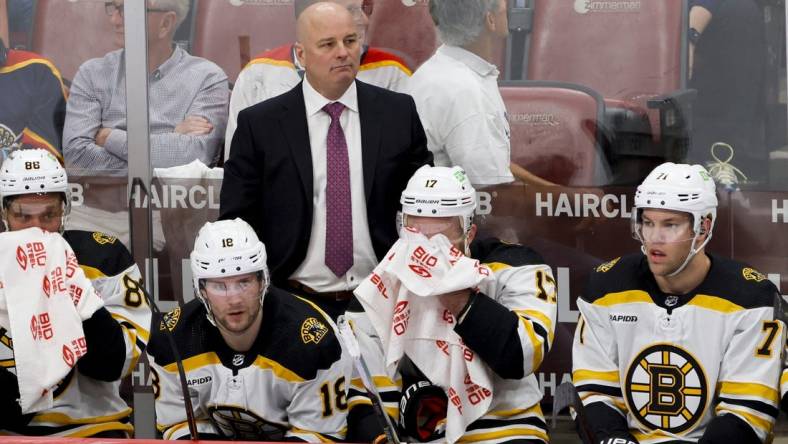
[463, 114]
[313, 272]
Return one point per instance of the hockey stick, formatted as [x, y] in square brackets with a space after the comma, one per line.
[566, 396]
[348, 338]
[187, 400]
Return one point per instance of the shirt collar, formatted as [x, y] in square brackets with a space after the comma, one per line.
[469, 59]
[315, 101]
[169, 64]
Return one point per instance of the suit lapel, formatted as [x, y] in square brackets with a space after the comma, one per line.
[297, 133]
[371, 121]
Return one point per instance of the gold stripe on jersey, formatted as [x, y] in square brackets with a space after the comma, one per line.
[168, 430]
[649, 437]
[7, 363]
[321, 437]
[534, 409]
[379, 381]
[714, 303]
[6, 340]
[749, 390]
[592, 375]
[536, 341]
[784, 377]
[382, 63]
[142, 332]
[62, 419]
[195, 362]
[539, 316]
[624, 297]
[616, 401]
[279, 370]
[497, 266]
[92, 272]
[505, 433]
[753, 420]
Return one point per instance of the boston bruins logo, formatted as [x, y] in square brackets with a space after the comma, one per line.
[239, 424]
[312, 330]
[666, 388]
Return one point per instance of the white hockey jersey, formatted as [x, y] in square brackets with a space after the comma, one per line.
[291, 383]
[274, 72]
[670, 364]
[516, 309]
[84, 406]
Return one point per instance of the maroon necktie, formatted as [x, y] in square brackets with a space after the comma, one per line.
[339, 220]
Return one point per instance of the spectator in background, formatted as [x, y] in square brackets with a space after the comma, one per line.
[278, 70]
[317, 171]
[456, 93]
[32, 102]
[188, 99]
[728, 57]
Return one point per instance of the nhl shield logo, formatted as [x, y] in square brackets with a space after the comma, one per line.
[312, 330]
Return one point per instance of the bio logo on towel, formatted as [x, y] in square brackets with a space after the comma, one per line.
[455, 399]
[75, 292]
[41, 327]
[34, 254]
[71, 264]
[476, 394]
[77, 350]
[401, 318]
[425, 261]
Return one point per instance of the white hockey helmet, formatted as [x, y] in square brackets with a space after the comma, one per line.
[678, 187]
[440, 192]
[227, 248]
[33, 171]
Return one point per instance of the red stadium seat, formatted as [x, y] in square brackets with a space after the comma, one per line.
[633, 54]
[555, 131]
[404, 28]
[71, 32]
[219, 25]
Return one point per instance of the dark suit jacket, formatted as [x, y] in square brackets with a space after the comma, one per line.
[268, 176]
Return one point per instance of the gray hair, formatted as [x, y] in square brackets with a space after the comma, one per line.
[460, 22]
[179, 7]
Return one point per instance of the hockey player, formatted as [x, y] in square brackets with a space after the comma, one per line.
[509, 323]
[34, 193]
[261, 364]
[676, 344]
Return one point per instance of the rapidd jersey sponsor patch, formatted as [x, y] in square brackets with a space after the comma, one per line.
[752, 275]
[170, 320]
[313, 330]
[604, 268]
[103, 239]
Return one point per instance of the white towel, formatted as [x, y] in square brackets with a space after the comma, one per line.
[399, 297]
[44, 297]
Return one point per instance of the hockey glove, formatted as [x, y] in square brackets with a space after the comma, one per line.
[423, 411]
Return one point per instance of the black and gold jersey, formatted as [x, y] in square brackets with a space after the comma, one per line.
[290, 384]
[671, 364]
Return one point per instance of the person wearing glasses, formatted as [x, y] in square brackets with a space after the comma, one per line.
[261, 364]
[276, 71]
[188, 99]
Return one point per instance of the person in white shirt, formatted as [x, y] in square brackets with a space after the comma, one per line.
[456, 93]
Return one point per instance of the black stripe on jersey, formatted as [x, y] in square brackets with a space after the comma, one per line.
[392, 396]
[601, 389]
[543, 333]
[762, 407]
[498, 423]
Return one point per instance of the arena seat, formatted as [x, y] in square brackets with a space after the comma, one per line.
[404, 28]
[555, 131]
[219, 26]
[634, 54]
[70, 32]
